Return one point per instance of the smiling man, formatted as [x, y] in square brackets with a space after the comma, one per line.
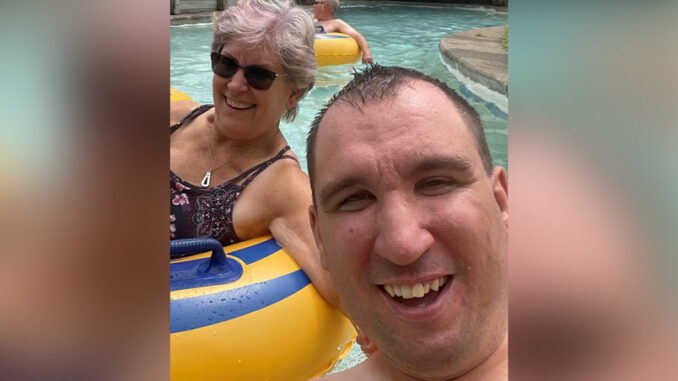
[411, 221]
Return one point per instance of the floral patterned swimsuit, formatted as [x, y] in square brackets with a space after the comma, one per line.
[200, 212]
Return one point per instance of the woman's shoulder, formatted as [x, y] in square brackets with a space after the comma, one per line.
[286, 171]
[282, 189]
[283, 183]
[179, 109]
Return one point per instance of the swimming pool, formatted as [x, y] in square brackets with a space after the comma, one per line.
[399, 34]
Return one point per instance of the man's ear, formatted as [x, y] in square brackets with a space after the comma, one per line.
[500, 190]
[316, 235]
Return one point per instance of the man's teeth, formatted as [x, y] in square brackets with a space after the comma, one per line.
[235, 104]
[415, 291]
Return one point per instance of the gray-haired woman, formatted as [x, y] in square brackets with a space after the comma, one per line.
[233, 176]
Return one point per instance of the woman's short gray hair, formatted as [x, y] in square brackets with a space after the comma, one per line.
[278, 26]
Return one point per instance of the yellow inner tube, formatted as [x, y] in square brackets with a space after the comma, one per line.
[176, 95]
[297, 337]
[335, 49]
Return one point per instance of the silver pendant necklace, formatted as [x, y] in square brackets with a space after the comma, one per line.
[206, 180]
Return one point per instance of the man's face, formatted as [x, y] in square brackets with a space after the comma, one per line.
[318, 6]
[413, 231]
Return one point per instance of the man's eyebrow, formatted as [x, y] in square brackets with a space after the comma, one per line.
[454, 162]
[334, 187]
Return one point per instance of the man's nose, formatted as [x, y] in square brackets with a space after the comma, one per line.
[402, 237]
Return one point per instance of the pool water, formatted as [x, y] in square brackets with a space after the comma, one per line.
[398, 34]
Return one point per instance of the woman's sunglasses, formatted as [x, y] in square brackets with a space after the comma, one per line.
[257, 77]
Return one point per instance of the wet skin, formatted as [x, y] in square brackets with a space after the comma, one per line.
[402, 198]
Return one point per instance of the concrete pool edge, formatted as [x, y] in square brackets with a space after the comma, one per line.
[192, 18]
[478, 54]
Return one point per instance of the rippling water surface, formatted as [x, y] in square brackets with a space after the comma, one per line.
[404, 35]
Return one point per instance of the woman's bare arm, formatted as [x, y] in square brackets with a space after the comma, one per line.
[291, 228]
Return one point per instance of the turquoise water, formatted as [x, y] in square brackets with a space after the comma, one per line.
[403, 35]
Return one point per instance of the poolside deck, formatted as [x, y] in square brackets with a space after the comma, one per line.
[478, 54]
[192, 18]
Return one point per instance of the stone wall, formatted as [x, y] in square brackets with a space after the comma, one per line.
[178, 7]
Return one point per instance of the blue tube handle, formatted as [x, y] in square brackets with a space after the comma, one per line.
[218, 262]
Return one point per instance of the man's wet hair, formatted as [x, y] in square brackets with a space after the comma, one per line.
[375, 83]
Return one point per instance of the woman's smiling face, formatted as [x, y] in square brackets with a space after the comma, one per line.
[243, 112]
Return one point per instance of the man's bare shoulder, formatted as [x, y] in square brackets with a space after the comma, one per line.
[358, 372]
[368, 370]
[334, 25]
